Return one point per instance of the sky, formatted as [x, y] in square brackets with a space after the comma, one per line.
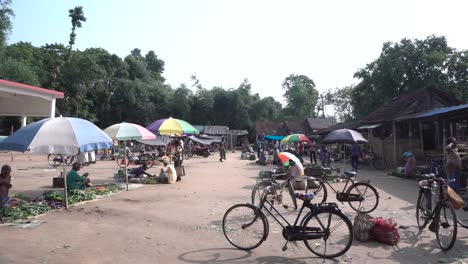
[223, 42]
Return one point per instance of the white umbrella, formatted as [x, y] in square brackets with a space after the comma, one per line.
[60, 135]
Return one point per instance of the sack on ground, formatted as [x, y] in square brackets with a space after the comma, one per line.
[385, 230]
[163, 177]
[454, 198]
[362, 227]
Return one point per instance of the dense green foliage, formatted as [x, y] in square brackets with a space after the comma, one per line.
[106, 89]
[407, 66]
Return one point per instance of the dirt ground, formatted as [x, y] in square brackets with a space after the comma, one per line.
[181, 223]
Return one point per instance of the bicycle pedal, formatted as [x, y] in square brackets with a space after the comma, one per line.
[284, 248]
[285, 206]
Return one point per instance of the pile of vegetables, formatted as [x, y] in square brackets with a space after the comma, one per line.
[150, 180]
[52, 200]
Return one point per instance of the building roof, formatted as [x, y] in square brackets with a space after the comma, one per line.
[31, 88]
[238, 132]
[213, 130]
[349, 125]
[280, 128]
[320, 123]
[444, 111]
[421, 100]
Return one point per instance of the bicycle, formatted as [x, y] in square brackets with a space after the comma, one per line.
[57, 159]
[442, 215]
[270, 179]
[361, 196]
[140, 159]
[245, 226]
[377, 161]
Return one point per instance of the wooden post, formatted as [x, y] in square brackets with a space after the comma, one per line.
[65, 192]
[437, 133]
[444, 137]
[410, 135]
[451, 129]
[394, 143]
[421, 137]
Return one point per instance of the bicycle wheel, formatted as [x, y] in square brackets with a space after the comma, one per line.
[462, 216]
[423, 208]
[121, 160]
[148, 159]
[245, 226]
[257, 192]
[291, 194]
[70, 159]
[379, 163]
[318, 188]
[54, 159]
[363, 197]
[446, 230]
[331, 232]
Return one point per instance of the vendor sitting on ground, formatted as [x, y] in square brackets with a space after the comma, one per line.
[139, 172]
[5, 186]
[168, 173]
[75, 181]
[410, 164]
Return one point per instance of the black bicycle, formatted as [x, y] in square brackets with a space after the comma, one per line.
[270, 178]
[377, 161]
[444, 219]
[361, 196]
[57, 159]
[325, 230]
[142, 158]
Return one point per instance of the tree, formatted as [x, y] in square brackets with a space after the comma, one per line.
[325, 99]
[6, 14]
[77, 16]
[341, 101]
[301, 96]
[406, 66]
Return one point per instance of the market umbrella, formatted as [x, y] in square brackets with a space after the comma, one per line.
[172, 126]
[59, 135]
[344, 136]
[285, 157]
[128, 131]
[296, 138]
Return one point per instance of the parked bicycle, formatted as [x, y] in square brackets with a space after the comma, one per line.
[444, 219]
[325, 230]
[361, 196]
[270, 178]
[136, 160]
[57, 159]
[373, 158]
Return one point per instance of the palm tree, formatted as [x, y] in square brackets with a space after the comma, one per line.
[77, 16]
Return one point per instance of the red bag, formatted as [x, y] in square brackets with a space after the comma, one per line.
[385, 230]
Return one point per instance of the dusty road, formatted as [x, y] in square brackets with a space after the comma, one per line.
[181, 223]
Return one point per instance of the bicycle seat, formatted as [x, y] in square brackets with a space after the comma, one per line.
[350, 173]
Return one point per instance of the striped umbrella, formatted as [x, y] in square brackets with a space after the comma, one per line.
[296, 138]
[172, 126]
[285, 157]
[128, 131]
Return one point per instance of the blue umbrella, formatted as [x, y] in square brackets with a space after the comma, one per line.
[60, 135]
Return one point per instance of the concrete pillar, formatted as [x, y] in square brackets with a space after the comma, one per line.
[23, 121]
[52, 108]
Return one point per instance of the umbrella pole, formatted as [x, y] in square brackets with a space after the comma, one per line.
[125, 160]
[344, 157]
[65, 193]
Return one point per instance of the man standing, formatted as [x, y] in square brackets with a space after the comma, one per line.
[355, 154]
[313, 151]
[454, 164]
[222, 151]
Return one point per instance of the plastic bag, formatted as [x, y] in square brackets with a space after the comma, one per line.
[454, 198]
[385, 230]
[362, 227]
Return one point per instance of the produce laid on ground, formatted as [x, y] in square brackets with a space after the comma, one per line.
[53, 200]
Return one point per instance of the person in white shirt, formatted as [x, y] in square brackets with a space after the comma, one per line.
[168, 173]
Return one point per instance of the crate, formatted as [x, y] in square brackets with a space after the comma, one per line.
[313, 171]
[58, 182]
